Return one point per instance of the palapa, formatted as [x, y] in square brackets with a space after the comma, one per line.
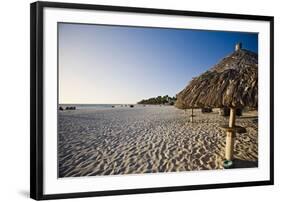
[233, 83]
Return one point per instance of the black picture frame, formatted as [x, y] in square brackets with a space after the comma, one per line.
[36, 98]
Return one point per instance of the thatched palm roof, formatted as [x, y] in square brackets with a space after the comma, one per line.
[233, 82]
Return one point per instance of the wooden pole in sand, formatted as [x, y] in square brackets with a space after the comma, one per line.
[230, 135]
[191, 117]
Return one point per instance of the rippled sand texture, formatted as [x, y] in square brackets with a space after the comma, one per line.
[148, 139]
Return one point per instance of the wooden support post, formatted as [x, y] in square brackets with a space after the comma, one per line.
[191, 117]
[229, 146]
[230, 135]
[232, 117]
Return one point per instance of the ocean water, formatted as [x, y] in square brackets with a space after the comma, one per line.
[94, 106]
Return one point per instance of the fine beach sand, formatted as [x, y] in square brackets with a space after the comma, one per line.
[148, 139]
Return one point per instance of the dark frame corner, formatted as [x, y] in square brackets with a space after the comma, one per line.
[36, 98]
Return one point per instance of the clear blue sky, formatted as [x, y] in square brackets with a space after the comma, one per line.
[116, 64]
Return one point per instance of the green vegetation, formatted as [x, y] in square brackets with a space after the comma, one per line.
[159, 100]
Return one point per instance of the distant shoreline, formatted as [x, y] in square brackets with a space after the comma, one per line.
[105, 106]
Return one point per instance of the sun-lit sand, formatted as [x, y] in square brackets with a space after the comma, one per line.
[124, 140]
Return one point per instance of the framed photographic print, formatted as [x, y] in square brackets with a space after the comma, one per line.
[136, 100]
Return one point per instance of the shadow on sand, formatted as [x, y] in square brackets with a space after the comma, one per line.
[238, 163]
[248, 117]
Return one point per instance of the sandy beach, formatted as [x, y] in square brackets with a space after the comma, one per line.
[124, 140]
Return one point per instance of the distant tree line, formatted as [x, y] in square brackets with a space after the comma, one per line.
[159, 100]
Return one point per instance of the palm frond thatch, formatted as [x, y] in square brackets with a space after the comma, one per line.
[233, 82]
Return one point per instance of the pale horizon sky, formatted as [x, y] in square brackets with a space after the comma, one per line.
[102, 64]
